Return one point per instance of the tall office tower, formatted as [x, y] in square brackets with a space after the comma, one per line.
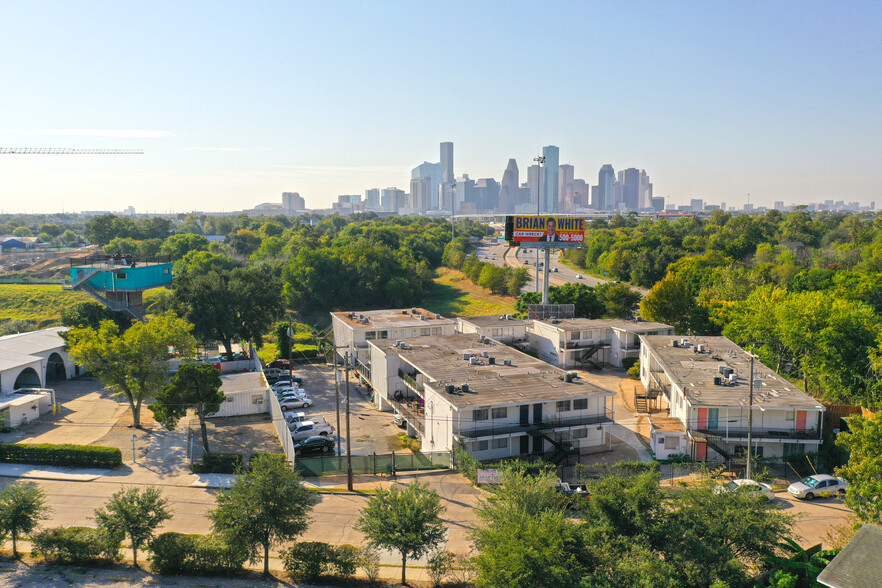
[645, 199]
[630, 183]
[550, 187]
[463, 195]
[779, 205]
[372, 198]
[658, 204]
[447, 177]
[606, 188]
[292, 201]
[508, 191]
[433, 172]
[595, 198]
[391, 199]
[565, 188]
[581, 194]
[723, 206]
[696, 204]
[486, 195]
[421, 194]
[535, 181]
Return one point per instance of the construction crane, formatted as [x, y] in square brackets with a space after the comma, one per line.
[64, 151]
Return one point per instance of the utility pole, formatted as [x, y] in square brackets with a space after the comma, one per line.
[290, 345]
[750, 422]
[348, 437]
[337, 389]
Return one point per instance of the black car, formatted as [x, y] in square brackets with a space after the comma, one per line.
[314, 444]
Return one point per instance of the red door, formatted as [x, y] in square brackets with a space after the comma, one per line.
[800, 420]
[702, 419]
[700, 451]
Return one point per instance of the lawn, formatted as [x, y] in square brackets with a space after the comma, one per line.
[455, 295]
[41, 303]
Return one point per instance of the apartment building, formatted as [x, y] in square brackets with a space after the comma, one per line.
[353, 331]
[580, 343]
[705, 384]
[503, 328]
[493, 400]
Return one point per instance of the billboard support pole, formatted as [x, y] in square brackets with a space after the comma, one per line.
[545, 275]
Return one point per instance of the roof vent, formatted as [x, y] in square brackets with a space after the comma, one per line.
[413, 310]
[568, 377]
[733, 378]
[466, 355]
[437, 316]
[485, 353]
[491, 360]
[449, 388]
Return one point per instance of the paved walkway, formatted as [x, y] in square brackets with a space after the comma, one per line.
[625, 427]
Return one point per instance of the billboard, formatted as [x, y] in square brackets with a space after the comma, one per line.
[545, 231]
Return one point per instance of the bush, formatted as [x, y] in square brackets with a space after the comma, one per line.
[177, 553]
[634, 369]
[346, 559]
[369, 562]
[61, 455]
[440, 563]
[466, 464]
[308, 561]
[218, 463]
[75, 545]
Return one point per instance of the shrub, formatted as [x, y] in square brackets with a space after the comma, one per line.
[61, 455]
[440, 563]
[178, 553]
[369, 562]
[219, 463]
[466, 464]
[308, 561]
[346, 558]
[75, 545]
[633, 369]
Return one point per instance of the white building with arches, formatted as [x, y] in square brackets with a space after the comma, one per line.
[34, 360]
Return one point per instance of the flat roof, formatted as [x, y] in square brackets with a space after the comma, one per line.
[392, 318]
[578, 324]
[243, 382]
[666, 423]
[19, 399]
[527, 379]
[32, 341]
[694, 373]
[495, 320]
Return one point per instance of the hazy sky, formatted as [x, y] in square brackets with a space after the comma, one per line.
[234, 103]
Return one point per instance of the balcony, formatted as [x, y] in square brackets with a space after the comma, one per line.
[490, 429]
[412, 412]
[770, 433]
[411, 382]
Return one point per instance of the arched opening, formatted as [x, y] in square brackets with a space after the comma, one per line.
[55, 370]
[28, 378]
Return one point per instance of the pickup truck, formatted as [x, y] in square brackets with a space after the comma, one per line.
[310, 428]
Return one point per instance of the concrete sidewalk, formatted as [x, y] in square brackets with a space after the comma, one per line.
[32, 472]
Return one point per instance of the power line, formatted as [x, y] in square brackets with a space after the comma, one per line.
[66, 151]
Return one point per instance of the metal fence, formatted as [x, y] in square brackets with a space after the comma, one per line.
[281, 426]
[373, 464]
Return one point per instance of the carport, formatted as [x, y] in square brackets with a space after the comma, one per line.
[34, 360]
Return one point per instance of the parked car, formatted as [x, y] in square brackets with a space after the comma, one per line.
[748, 486]
[286, 398]
[398, 419]
[817, 485]
[310, 428]
[291, 403]
[273, 374]
[314, 444]
[284, 382]
[287, 390]
[297, 417]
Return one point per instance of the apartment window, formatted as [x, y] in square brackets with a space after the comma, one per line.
[793, 449]
[789, 415]
[580, 433]
[672, 442]
[574, 336]
[480, 414]
[500, 444]
[586, 335]
[563, 406]
[580, 404]
[483, 445]
[500, 413]
[382, 334]
[436, 330]
[370, 335]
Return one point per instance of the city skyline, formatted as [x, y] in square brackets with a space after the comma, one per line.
[234, 106]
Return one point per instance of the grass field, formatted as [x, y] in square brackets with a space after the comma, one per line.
[40, 303]
[455, 295]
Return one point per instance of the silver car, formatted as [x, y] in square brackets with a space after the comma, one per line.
[817, 485]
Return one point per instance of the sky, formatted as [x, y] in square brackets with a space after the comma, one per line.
[234, 103]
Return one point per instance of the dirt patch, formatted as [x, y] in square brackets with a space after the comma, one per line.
[245, 434]
[643, 429]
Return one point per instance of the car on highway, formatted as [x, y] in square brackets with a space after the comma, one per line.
[578, 276]
[291, 403]
[817, 485]
[314, 444]
[751, 487]
[554, 269]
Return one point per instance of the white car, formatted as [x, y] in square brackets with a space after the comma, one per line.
[398, 419]
[287, 391]
[817, 485]
[578, 276]
[292, 403]
[751, 487]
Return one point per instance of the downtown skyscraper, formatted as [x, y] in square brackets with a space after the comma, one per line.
[551, 172]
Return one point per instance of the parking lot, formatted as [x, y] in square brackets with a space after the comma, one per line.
[372, 431]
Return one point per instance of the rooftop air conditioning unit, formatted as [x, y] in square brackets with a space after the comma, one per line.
[449, 388]
[675, 343]
[465, 387]
[733, 378]
[721, 369]
[485, 353]
[413, 310]
[506, 362]
[466, 355]
[473, 360]
[437, 316]
[491, 360]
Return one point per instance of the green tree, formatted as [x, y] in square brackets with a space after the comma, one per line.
[69, 238]
[22, 507]
[516, 279]
[177, 246]
[407, 520]
[227, 305]
[619, 300]
[264, 507]
[22, 232]
[90, 314]
[134, 513]
[864, 468]
[51, 229]
[133, 363]
[525, 539]
[669, 302]
[196, 386]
